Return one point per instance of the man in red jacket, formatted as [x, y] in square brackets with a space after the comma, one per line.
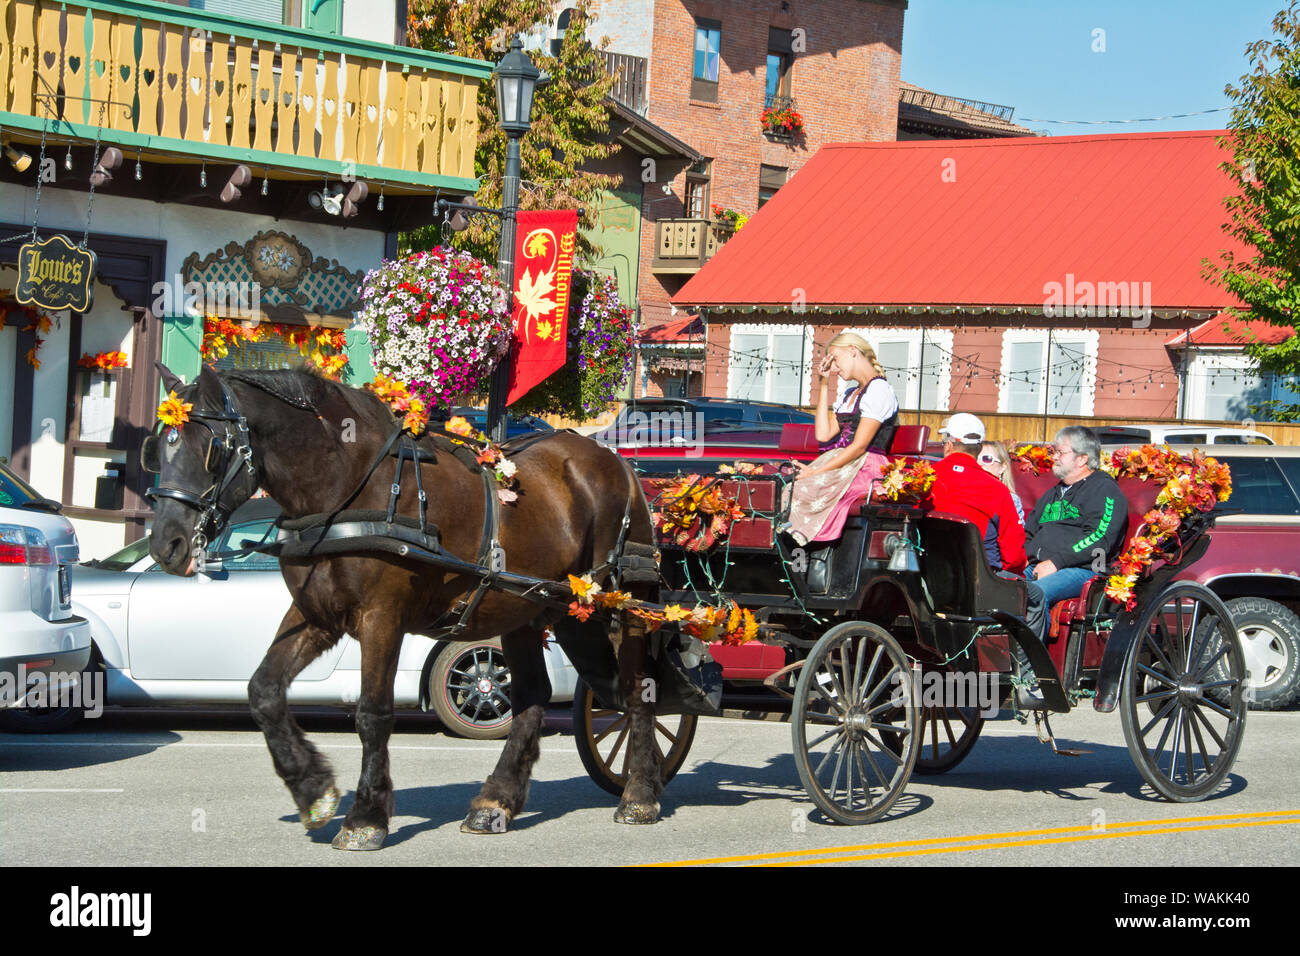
[963, 488]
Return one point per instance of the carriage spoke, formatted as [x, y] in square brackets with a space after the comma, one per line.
[1159, 695]
[857, 665]
[1196, 712]
[1160, 655]
[875, 691]
[1178, 612]
[875, 660]
[862, 772]
[845, 650]
[837, 702]
[1219, 709]
[947, 725]
[1200, 741]
[1157, 675]
[829, 754]
[844, 701]
[613, 754]
[1205, 668]
[664, 730]
[1174, 752]
[884, 780]
[897, 758]
[824, 737]
[1160, 715]
[815, 718]
[1187, 748]
[610, 729]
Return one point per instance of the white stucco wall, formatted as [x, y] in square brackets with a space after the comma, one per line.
[629, 24]
[370, 20]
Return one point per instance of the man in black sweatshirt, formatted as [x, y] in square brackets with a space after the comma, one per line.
[1075, 530]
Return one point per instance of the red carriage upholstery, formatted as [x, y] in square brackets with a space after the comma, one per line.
[910, 440]
[798, 437]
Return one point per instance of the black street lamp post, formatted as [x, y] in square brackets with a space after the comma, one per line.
[516, 81]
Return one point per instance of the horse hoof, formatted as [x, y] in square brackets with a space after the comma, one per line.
[486, 820]
[637, 813]
[322, 811]
[360, 838]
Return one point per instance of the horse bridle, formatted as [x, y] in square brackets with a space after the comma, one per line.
[234, 457]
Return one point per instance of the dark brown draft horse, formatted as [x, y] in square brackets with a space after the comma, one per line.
[309, 442]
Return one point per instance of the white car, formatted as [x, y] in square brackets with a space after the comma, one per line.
[170, 640]
[44, 644]
[1179, 435]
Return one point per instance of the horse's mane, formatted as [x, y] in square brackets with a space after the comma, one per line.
[307, 389]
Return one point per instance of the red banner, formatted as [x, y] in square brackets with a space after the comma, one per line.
[544, 243]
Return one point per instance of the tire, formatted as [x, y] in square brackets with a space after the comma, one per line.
[1184, 684]
[593, 727]
[1270, 640]
[50, 720]
[469, 689]
[847, 702]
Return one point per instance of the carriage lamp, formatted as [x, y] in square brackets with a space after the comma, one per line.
[902, 553]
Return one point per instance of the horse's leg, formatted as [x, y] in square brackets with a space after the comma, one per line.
[640, 803]
[503, 793]
[366, 825]
[304, 771]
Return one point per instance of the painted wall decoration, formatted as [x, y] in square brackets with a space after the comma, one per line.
[278, 273]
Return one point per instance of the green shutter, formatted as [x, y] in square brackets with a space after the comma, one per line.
[182, 338]
[323, 16]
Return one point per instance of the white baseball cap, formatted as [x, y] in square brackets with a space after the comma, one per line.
[963, 427]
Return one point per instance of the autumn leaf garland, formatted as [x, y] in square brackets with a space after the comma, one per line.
[728, 624]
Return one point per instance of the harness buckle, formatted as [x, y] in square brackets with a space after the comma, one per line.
[396, 490]
[496, 558]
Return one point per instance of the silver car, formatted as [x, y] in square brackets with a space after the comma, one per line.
[170, 640]
[44, 644]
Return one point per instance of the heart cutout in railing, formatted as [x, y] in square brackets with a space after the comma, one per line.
[172, 80]
[371, 113]
[241, 92]
[329, 106]
[50, 59]
[308, 103]
[126, 73]
[451, 124]
[99, 66]
[196, 84]
[148, 76]
[264, 96]
[390, 116]
[74, 64]
[349, 108]
[219, 87]
[288, 99]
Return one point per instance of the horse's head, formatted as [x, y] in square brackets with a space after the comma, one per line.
[205, 468]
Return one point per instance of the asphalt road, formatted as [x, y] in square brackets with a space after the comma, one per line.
[143, 789]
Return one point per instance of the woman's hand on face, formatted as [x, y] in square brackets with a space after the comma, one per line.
[826, 365]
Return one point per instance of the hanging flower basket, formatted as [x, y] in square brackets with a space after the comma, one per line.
[437, 321]
[601, 343]
[782, 121]
[104, 361]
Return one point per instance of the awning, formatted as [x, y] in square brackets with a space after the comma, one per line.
[1229, 331]
[678, 330]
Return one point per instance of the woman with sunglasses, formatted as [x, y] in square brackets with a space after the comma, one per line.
[994, 459]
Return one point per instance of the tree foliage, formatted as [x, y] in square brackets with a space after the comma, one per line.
[1265, 214]
[570, 122]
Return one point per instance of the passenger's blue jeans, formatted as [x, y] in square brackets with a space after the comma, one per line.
[1044, 592]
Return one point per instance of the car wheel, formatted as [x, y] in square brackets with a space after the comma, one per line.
[51, 720]
[1270, 641]
[469, 689]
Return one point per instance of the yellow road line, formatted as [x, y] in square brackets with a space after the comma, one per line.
[1160, 831]
[973, 836]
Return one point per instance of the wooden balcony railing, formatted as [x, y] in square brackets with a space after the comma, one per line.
[630, 85]
[684, 245]
[164, 78]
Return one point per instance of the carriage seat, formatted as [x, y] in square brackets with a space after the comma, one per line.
[1141, 497]
[799, 437]
[957, 573]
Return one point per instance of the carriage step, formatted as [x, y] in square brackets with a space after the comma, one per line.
[1043, 726]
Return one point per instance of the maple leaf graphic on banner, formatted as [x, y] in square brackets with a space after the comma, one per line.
[537, 244]
[535, 294]
[546, 330]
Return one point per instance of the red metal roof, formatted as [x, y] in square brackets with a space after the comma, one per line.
[678, 330]
[1225, 329]
[866, 224]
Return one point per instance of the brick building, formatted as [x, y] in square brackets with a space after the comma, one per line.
[1031, 276]
[705, 71]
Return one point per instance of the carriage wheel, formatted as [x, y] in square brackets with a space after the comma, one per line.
[1185, 654]
[947, 733]
[854, 723]
[602, 737]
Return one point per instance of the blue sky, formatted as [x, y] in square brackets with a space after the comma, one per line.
[1161, 57]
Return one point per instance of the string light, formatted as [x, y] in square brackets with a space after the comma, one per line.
[266, 176]
[381, 198]
[203, 175]
[67, 160]
[139, 173]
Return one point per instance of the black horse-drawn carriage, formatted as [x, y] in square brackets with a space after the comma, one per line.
[894, 635]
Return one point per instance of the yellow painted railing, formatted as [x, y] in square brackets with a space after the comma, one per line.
[160, 77]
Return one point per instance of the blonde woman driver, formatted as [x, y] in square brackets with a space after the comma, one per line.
[853, 440]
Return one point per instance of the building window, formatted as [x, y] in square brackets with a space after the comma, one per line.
[697, 189]
[779, 58]
[1030, 384]
[708, 47]
[1222, 386]
[770, 363]
[921, 377]
[770, 179]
